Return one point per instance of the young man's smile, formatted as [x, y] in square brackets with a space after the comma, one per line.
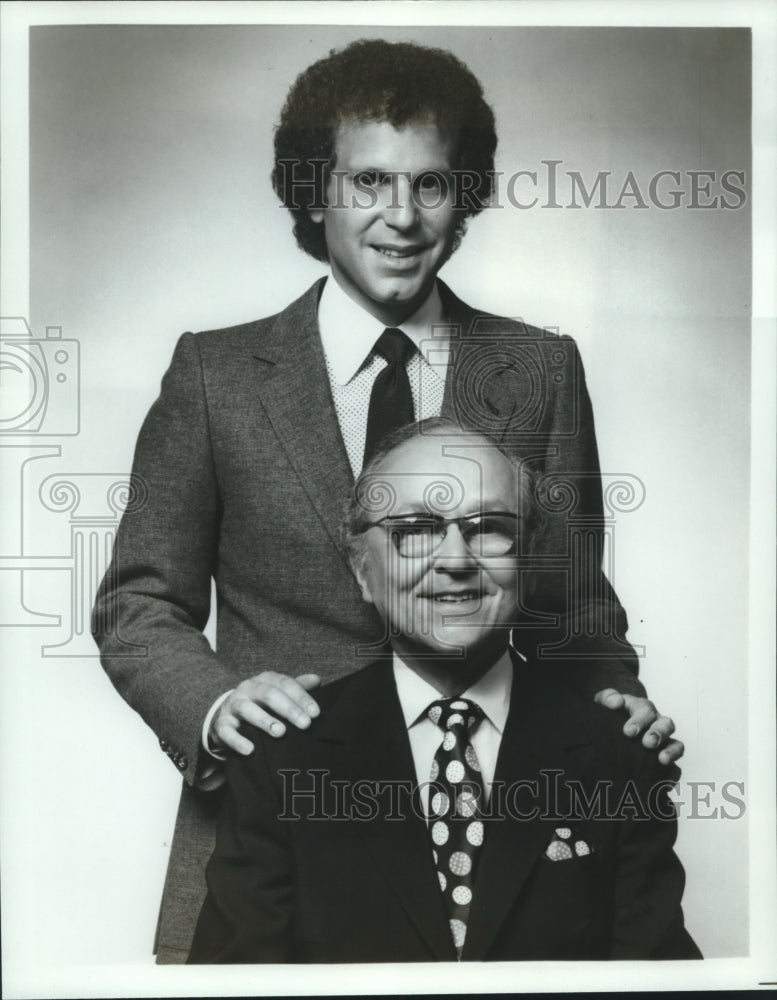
[390, 224]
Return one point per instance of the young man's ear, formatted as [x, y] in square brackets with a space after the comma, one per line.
[316, 215]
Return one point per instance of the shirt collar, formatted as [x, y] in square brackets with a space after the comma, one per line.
[349, 332]
[492, 692]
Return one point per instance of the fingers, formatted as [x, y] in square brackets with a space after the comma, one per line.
[656, 729]
[285, 696]
[642, 714]
[308, 681]
[225, 729]
[673, 751]
[610, 698]
[224, 734]
[644, 718]
[659, 732]
[265, 701]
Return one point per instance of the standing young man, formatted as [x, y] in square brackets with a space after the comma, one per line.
[382, 154]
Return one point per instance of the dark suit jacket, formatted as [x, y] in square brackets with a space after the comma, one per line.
[241, 474]
[343, 889]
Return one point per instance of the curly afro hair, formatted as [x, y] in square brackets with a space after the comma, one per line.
[374, 80]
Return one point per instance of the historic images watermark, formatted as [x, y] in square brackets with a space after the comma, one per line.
[315, 795]
[550, 185]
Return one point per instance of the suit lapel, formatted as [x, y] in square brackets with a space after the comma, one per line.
[294, 390]
[540, 738]
[364, 738]
[368, 725]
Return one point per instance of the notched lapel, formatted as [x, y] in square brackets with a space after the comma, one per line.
[293, 387]
[540, 740]
[368, 724]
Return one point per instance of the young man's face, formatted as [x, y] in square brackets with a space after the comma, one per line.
[458, 595]
[390, 224]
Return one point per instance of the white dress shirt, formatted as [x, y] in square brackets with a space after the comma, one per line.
[491, 693]
[348, 335]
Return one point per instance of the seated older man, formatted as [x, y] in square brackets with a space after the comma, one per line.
[451, 802]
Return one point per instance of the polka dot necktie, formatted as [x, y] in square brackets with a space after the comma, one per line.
[391, 400]
[456, 797]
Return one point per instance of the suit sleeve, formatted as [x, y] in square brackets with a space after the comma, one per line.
[154, 601]
[649, 878]
[247, 914]
[587, 643]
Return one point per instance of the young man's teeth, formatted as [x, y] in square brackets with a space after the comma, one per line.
[395, 253]
[455, 598]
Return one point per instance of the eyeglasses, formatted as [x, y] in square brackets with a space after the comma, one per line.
[486, 534]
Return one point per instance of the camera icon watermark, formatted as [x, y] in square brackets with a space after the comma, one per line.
[40, 381]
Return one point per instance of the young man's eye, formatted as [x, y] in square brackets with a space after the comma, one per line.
[371, 179]
[365, 178]
[429, 182]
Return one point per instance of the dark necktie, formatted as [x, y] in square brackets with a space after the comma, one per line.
[391, 401]
[456, 802]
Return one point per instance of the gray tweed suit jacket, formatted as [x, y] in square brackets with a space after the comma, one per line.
[241, 476]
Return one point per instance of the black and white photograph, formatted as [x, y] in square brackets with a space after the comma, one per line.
[387, 442]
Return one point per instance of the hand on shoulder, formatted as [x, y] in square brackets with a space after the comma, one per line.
[264, 701]
[644, 719]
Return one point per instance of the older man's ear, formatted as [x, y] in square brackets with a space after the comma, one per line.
[358, 568]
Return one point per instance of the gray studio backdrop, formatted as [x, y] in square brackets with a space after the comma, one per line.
[152, 213]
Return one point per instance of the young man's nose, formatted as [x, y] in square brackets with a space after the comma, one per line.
[401, 209]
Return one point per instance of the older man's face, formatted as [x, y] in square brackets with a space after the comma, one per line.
[452, 595]
[391, 223]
